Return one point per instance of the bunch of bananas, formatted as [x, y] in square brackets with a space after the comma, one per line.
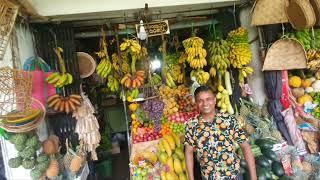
[21, 117]
[196, 53]
[201, 76]
[306, 38]
[104, 68]
[169, 81]
[135, 81]
[155, 80]
[176, 73]
[113, 84]
[131, 45]
[240, 54]
[60, 79]
[219, 54]
[223, 100]
[115, 62]
[313, 57]
[245, 72]
[133, 94]
[64, 104]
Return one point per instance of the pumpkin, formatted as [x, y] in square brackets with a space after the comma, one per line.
[53, 169]
[75, 164]
[295, 81]
[49, 147]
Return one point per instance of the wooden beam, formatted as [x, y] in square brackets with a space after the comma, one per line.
[27, 10]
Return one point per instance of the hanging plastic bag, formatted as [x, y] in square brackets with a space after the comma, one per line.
[41, 70]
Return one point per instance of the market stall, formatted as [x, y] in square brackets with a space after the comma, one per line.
[146, 71]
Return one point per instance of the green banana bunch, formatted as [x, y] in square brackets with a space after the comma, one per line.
[104, 68]
[60, 79]
[113, 84]
[219, 54]
[133, 94]
[169, 80]
[155, 80]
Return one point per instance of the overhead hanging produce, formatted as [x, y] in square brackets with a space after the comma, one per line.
[219, 57]
[240, 55]
[64, 104]
[196, 54]
[60, 79]
[104, 67]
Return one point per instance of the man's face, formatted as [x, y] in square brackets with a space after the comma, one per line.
[205, 102]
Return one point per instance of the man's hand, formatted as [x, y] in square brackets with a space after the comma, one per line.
[189, 161]
[248, 155]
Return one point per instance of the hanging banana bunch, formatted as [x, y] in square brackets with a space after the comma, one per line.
[196, 53]
[240, 54]
[105, 66]
[219, 57]
[60, 79]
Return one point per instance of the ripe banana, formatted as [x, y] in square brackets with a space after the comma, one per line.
[64, 104]
[166, 147]
[170, 140]
[176, 139]
[196, 54]
[219, 52]
[170, 163]
[32, 114]
[201, 76]
[177, 166]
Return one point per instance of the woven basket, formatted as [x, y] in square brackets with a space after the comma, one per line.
[87, 65]
[15, 91]
[30, 125]
[8, 14]
[316, 7]
[285, 54]
[266, 12]
[300, 14]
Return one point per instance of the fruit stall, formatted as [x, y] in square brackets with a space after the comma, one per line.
[149, 77]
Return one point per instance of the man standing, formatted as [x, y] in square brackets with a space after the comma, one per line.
[213, 137]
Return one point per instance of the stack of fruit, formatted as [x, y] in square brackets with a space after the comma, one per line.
[219, 57]
[60, 79]
[64, 104]
[182, 117]
[143, 165]
[171, 157]
[186, 104]
[240, 55]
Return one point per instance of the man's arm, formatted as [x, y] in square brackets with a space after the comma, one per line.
[189, 161]
[248, 155]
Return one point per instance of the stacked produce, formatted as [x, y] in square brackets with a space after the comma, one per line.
[27, 145]
[201, 76]
[171, 157]
[219, 57]
[196, 53]
[186, 104]
[64, 104]
[87, 127]
[268, 165]
[223, 100]
[143, 165]
[177, 121]
[60, 79]
[154, 110]
[240, 55]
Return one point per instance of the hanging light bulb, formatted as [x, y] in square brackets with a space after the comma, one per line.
[142, 35]
[155, 64]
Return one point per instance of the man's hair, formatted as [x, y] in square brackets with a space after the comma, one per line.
[201, 89]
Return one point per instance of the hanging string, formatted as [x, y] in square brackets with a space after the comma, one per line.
[234, 15]
[125, 23]
[283, 29]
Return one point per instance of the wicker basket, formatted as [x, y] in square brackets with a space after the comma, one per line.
[300, 14]
[8, 14]
[266, 12]
[316, 7]
[15, 91]
[33, 124]
[285, 54]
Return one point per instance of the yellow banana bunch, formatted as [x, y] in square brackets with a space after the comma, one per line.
[176, 73]
[113, 84]
[219, 56]
[132, 45]
[313, 57]
[104, 68]
[201, 76]
[196, 54]
[60, 79]
[169, 81]
[240, 54]
[245, 72]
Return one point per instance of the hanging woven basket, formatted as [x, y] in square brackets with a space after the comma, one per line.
[285, 54]
[300, 14]
[316, 7]
[87, 64]
[266, 12]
